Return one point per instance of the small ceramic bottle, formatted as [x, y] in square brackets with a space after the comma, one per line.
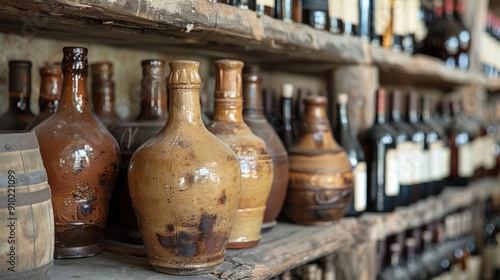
[254, 117]
[50, 93]
[255, 162]
[184, 184]
[321, 179]
[103, 94]
[81, 158]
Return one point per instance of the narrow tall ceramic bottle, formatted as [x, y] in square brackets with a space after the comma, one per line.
[50, 93]
[321, 179]
[253, 115]
[255, 162]
[81, 158]
[18, 114]
[103, 94]
[131, 135]
[184, 194]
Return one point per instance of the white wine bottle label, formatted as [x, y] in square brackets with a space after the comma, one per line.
[336, 8]
[399, 18]
[490, 157]
[418, 162]
[391, 173]
[474, 267]
[476, 152]
[465, 160]
[269, 3]
[426, 166]
[413, 10]
[405, 158]
[360, 187]
[351, 11]
[382, 16]
[436, 160]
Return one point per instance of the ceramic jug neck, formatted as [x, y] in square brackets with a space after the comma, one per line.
[185, 104]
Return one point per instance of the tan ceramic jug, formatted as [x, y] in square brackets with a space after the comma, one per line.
[321, 180]
[81, 158]
[255, 162]
[184, 185]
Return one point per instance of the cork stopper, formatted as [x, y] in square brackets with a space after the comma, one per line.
[228, 82]
[381, 101]
[184, 73]
[342, 98]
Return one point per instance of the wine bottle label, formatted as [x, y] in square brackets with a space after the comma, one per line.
[489, 151]
[477, 153]
[465, 161]
[360, 187]
[418, 161]
[446, 161]
[391, 173]
[436, 160]
[474, 267]
[382, 16]
[351, 11]
[426, 166]
[413, 9]
[336, 9]
[405, 165]
[269, 3]
[399, 18]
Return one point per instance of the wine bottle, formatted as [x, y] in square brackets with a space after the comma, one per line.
[399, 26]
[413, 265]
[350, 17]
[382, 160]
[286, 132]
[395, 270]
[380, 19]
[464, 36]
[265, 7]
[343, 135]
[364, 28]
[18, 115]
[461, 157]
[335, 14]
[284, 10]
[408, 182]
[315, 13]
[421, 153]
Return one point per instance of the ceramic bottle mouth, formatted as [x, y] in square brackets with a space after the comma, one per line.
[75, 59]
[184, 73]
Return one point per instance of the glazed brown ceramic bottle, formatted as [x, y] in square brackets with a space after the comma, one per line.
[81, 158]
[253, 115]
[50, 93]
[103, 93]
[185, 185]
[18, 115]
[131, 135]
[256, 164]
[321, 179]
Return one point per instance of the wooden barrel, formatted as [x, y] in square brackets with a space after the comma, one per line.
[26, 217]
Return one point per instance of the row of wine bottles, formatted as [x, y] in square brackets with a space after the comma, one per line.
[408, 26]
[490, 46]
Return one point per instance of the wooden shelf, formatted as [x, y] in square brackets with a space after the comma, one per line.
[288, 246]
[218, 30]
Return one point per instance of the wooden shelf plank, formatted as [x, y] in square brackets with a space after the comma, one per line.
[287, 245]
[218, 30]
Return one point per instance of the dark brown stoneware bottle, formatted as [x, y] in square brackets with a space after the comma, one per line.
[50, 93]
[131, 135]
[103, 93]
[254, 117]
[185, 185]
[255, 162]
[18, 115]
[321, 179]
[81, 158]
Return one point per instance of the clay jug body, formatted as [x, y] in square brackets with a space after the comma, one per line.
[131, 135]
[255, 162]
[50, 93]
[253, 114]
[321, 179]
[103, 94]
[184, 194]
[81, 158]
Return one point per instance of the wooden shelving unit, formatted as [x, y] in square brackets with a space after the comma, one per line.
[287, 245]
[219, 30]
